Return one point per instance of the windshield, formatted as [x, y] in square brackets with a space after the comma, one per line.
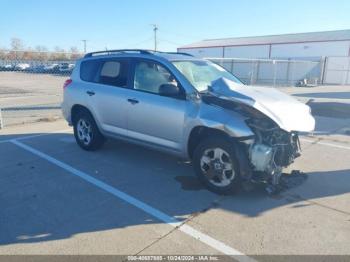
[201, 73]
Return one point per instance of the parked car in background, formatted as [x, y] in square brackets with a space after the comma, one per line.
[22, 67]
[7, 67]
[36, 69]
[65, 68]
[52, 68]
[190, 107]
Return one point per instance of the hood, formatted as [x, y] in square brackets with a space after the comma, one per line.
[287, 112]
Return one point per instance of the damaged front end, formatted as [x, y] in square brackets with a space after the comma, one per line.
[272, 150]
[274, 119]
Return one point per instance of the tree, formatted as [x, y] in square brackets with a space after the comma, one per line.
[74, 53]
[59, 54]
[28, 54]
[41, 53]
[41, 48]
[17, 44]
[3, 54]
[74, 50]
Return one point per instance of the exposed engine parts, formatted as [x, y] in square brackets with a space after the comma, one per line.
[261, 157]
[272, 149]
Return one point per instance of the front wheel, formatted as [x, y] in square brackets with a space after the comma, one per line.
[216, 165]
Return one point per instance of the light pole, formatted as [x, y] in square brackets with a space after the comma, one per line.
[155, 29]
[84, 41]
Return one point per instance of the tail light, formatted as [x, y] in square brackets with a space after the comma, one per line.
[67, 83]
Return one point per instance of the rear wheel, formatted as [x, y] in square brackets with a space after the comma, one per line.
[216, 165]
[86, 132]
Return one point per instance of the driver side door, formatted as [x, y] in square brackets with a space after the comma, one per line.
[154, 118]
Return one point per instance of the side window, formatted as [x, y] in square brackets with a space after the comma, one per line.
[114, 73]
[89, 70]
[149, 76]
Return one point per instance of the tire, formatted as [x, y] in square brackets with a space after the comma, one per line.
[86, 132]
[217, 166]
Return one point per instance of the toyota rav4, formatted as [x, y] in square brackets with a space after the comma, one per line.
[189, 107]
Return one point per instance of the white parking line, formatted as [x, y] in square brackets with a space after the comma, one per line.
[34, 136]
[324, 144]
[219, 246]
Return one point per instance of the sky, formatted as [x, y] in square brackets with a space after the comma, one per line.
[114, 24]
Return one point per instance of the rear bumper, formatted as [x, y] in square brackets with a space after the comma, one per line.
[66, 112]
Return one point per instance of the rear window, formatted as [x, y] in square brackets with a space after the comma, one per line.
[111, 72]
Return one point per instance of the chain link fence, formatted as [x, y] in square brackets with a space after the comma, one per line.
[337, 70]
[31, 85]
[273, 72]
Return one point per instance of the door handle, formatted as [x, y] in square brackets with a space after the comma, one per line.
[90, 93]
[133, 101]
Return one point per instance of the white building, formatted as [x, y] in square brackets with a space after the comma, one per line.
[262, 59]
[310, 46]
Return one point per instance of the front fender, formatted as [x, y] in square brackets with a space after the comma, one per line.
[216, 118]
[225, 120]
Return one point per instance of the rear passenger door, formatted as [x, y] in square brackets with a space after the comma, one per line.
[108, 94]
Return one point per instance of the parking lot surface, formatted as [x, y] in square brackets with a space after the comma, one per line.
[125, 199]
[28, 97]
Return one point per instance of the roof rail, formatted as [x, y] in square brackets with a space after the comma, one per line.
[178, 53]
[141, 51]
[110, 52]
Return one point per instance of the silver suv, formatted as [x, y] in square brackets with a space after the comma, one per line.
[189, 107]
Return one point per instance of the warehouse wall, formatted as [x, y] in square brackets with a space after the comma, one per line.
[258, 51]
[313, 50]
[316, 49]
[204, 52]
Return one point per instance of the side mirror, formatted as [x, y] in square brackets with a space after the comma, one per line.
[170, 90]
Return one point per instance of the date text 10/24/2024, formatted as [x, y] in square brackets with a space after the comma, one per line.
[173, 258]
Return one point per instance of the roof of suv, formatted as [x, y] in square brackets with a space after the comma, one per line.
[135, 52]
